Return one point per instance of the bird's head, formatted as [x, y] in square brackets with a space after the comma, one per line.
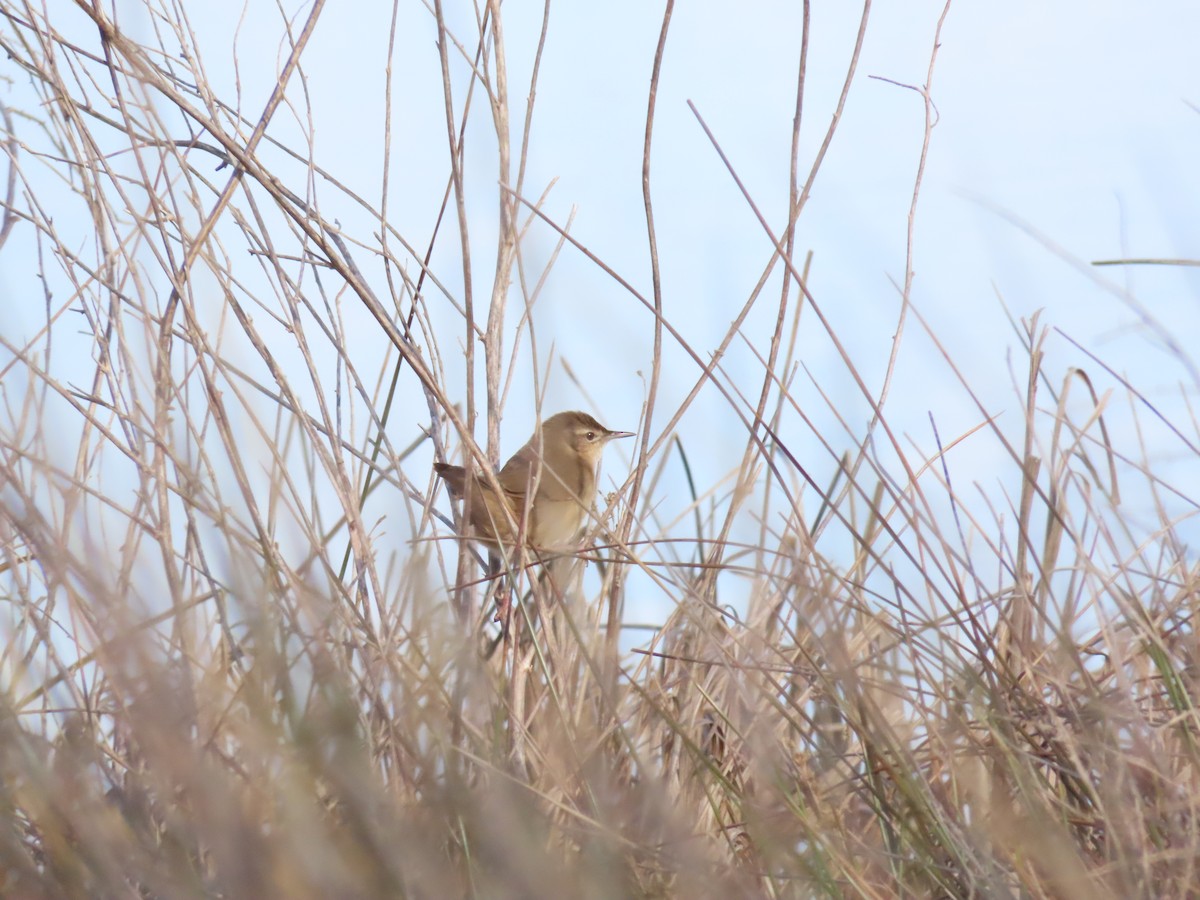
[579, 434]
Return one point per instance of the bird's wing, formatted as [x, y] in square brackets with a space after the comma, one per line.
[518, 472]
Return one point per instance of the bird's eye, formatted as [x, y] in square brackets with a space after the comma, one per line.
[591, 435]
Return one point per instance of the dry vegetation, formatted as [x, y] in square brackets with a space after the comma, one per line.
[215, 683]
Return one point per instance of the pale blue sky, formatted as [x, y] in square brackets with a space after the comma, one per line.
[1071, 117]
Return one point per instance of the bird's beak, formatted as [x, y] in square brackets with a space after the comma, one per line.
[613, 435]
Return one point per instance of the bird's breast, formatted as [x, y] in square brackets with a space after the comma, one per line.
[556, 522]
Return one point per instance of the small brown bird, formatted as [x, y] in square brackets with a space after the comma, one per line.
[561, 462]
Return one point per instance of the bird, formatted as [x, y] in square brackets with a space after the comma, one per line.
[557, 465]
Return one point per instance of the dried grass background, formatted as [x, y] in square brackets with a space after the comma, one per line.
[215, 684]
